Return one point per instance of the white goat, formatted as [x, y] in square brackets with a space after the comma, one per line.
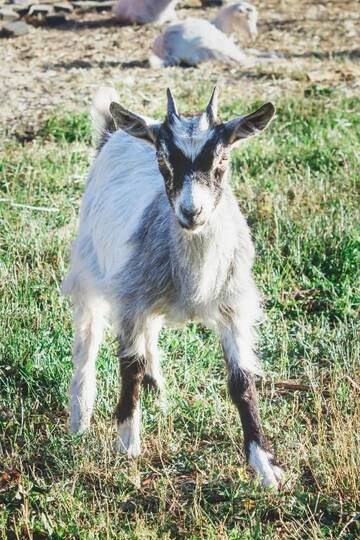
[144, 11]
[194, 40]
[162, 241]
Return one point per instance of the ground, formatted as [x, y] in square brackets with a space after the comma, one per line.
[298, 186]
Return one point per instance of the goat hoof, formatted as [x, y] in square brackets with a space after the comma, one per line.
[79, 424]
[265, 467]
[128, 441]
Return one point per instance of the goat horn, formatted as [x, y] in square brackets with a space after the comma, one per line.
[171, 105]
[212, 108]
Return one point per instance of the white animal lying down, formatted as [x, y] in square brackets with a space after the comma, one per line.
[145, 11]
[196, 40]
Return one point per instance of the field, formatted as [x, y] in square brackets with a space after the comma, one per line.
[298, 185]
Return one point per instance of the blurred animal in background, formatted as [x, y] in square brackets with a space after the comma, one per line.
[195, 40]
[145, 11]
[211, 3]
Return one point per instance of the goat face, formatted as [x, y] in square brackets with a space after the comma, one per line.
[193, 154]
[193, 161]
[244, 19]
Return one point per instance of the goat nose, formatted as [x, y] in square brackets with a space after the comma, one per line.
[190, 213]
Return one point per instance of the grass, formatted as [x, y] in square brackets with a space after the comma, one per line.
[298, 185]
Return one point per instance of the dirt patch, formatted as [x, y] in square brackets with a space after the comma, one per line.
[51, 70]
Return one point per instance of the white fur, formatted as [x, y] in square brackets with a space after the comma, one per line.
[194, 197]
[100, 109]
[89, 320]
[191, 134]
[152, 353]
[116, 196]
[129, 435]
[194, 40]
[260, 461]
[238, 18]
[145, 11]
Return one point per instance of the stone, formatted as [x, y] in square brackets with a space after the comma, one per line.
[22, 8]
[105, 6]
[83, 6]
[40, 9]
[64, 7]
[211, 3]
[8, 15]
[55, 19]
[15, 29]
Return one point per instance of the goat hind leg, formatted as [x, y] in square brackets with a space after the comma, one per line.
[153, 379]
[89, 325]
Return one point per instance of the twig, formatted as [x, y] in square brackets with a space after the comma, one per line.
[355, 385]
[288, 385]
[30, 207]
[352, 520]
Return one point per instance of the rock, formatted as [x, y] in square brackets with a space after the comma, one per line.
[22, 8]
[211, 3]
[55, 19]
[8, 15]
[64, 7]
[105, 6]
[83, 6]
[15, 29]
[40, 9]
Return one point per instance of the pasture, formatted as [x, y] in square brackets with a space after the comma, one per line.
[298, 185]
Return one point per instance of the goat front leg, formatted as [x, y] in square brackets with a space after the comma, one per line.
[127, 412]
[242, 364]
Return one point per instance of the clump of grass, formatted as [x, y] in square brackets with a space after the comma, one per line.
[299, 187]
[68, 127]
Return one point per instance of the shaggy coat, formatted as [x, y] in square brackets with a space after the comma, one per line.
[162, 241]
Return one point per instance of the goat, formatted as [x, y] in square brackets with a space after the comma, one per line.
[194, 40]
[144, 11]
[162, 241]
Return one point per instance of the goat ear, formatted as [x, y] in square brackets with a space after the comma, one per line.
[135, 125]
[247, 126]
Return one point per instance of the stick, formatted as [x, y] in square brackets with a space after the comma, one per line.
[288, 385]
[30, 207]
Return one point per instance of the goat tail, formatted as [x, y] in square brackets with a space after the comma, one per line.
[102, 121]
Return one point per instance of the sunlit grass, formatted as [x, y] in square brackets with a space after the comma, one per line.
[299, 187]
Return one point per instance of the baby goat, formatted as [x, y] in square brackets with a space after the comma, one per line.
[195, 40]
[144, 11]
[162, 241]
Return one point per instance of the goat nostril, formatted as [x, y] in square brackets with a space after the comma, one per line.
[190, 214]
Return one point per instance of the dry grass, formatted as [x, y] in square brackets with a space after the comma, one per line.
[298, 186]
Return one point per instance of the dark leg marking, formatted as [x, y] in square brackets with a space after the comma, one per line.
[132, 370]
[243, 394]
[150, 384]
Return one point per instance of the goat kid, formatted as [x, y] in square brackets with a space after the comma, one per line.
[162, 241]
[196, 40]
[144, 11]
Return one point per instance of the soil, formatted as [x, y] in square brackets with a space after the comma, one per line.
[54, 69]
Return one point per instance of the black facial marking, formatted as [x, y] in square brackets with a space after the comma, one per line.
[208, 168]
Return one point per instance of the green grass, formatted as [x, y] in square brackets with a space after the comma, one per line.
[298, 185]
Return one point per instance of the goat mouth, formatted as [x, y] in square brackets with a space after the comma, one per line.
[194, 227]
